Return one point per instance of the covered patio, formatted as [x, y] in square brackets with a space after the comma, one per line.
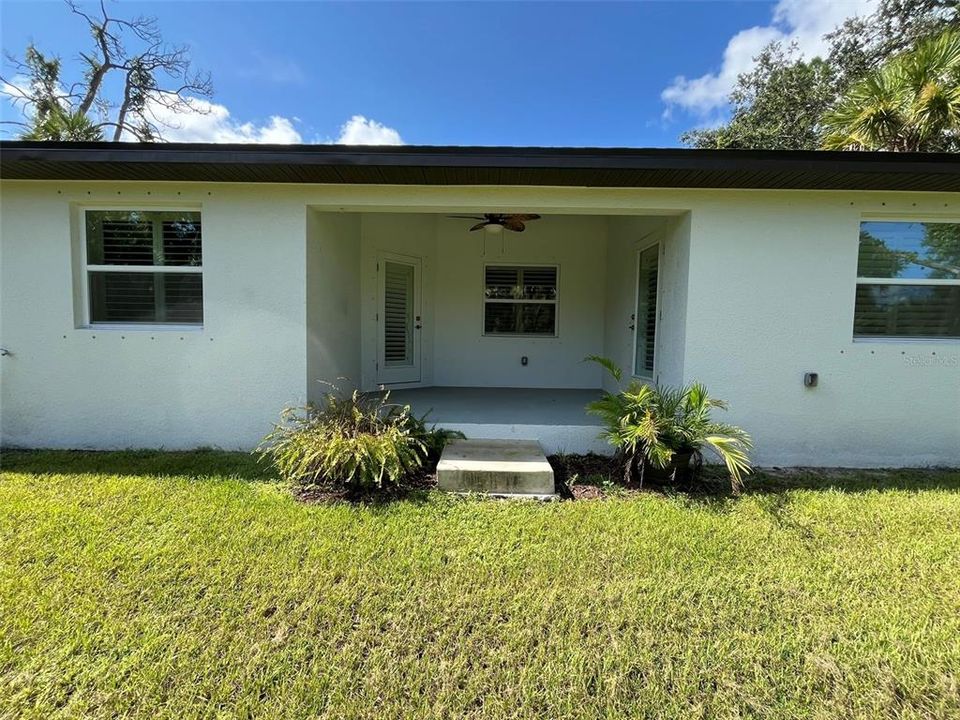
[487, 331]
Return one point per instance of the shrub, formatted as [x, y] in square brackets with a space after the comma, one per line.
[355, 442]
[650, 426]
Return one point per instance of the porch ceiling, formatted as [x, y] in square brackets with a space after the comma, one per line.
[481, 166]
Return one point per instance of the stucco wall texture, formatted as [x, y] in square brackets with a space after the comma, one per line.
[757, 288]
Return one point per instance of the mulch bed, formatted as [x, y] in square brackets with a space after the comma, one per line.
[590, 474]
[426, 480]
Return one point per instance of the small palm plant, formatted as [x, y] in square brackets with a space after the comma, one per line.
[666, 429]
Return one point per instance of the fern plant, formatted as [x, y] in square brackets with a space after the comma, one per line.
[651, 427]
[352, 442]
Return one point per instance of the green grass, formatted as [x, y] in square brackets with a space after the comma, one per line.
[155, 585]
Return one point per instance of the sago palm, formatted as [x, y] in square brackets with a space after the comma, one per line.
[650, 425]
[910, 104]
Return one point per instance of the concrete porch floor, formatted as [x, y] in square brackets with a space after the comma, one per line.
[516, 406]
[555, 418]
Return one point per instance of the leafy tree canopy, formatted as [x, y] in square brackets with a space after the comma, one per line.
[781, 102]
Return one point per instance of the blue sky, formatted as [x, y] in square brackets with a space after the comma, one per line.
[481, 73]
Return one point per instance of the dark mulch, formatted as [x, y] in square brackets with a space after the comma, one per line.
[586, 466]
[577, 475]
[585, 492]
[413, 488]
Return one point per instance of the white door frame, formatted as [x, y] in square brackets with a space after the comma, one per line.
[408, 372]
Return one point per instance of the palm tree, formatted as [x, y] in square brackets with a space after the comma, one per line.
[910, 104]
[63, 125]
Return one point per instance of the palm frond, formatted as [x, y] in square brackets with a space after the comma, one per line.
[609, 365]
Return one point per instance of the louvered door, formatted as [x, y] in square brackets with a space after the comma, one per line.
[398, 320]
[645, 320]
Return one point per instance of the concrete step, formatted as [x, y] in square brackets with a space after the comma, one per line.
[514, 468]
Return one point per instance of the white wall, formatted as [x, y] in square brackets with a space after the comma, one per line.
[454, 350]
[66, 386]
[674, 282]
[771, 296]
[465, 357]
[333, 302]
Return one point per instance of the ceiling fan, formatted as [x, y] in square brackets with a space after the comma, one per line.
[496, 222]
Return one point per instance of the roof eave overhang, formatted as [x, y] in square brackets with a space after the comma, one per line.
[428, 165]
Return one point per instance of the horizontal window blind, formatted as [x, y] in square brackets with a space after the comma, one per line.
[907, 311]
[648, 273]
[181, 242]
[520, 300]
[398, 314]
[908, 280]
[144, 267]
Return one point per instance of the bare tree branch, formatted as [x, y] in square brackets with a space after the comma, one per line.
[148, 67]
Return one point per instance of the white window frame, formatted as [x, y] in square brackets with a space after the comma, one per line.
[636, 320]
[858, 280]
[484, 300]
[86, 268]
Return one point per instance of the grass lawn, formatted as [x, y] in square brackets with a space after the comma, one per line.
[188, 585]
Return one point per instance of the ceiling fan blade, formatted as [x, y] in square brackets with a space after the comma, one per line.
[467, 217]
[525, 217]
[512, 223]
[480, 226]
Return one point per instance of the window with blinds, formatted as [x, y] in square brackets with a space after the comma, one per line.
[144, 267]
[520, 300]
[648, 272]
[398, 314]
[908, 280]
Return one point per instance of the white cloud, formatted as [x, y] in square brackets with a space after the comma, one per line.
[213, 123]
[804, 22]
[210, 122]
[359, 130]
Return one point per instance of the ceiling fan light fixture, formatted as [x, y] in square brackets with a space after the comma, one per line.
[496, 223]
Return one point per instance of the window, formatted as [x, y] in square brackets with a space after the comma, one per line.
[520, 300]
[144, 267]
[646, 317]
[908, 280]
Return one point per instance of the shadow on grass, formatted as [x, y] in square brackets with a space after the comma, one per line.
[851, 480]
[201, 463]
[772, 486]
[711, 491]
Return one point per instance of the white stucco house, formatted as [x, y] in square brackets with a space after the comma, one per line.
[179, 296]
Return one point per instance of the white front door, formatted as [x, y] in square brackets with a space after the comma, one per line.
[398, 319]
